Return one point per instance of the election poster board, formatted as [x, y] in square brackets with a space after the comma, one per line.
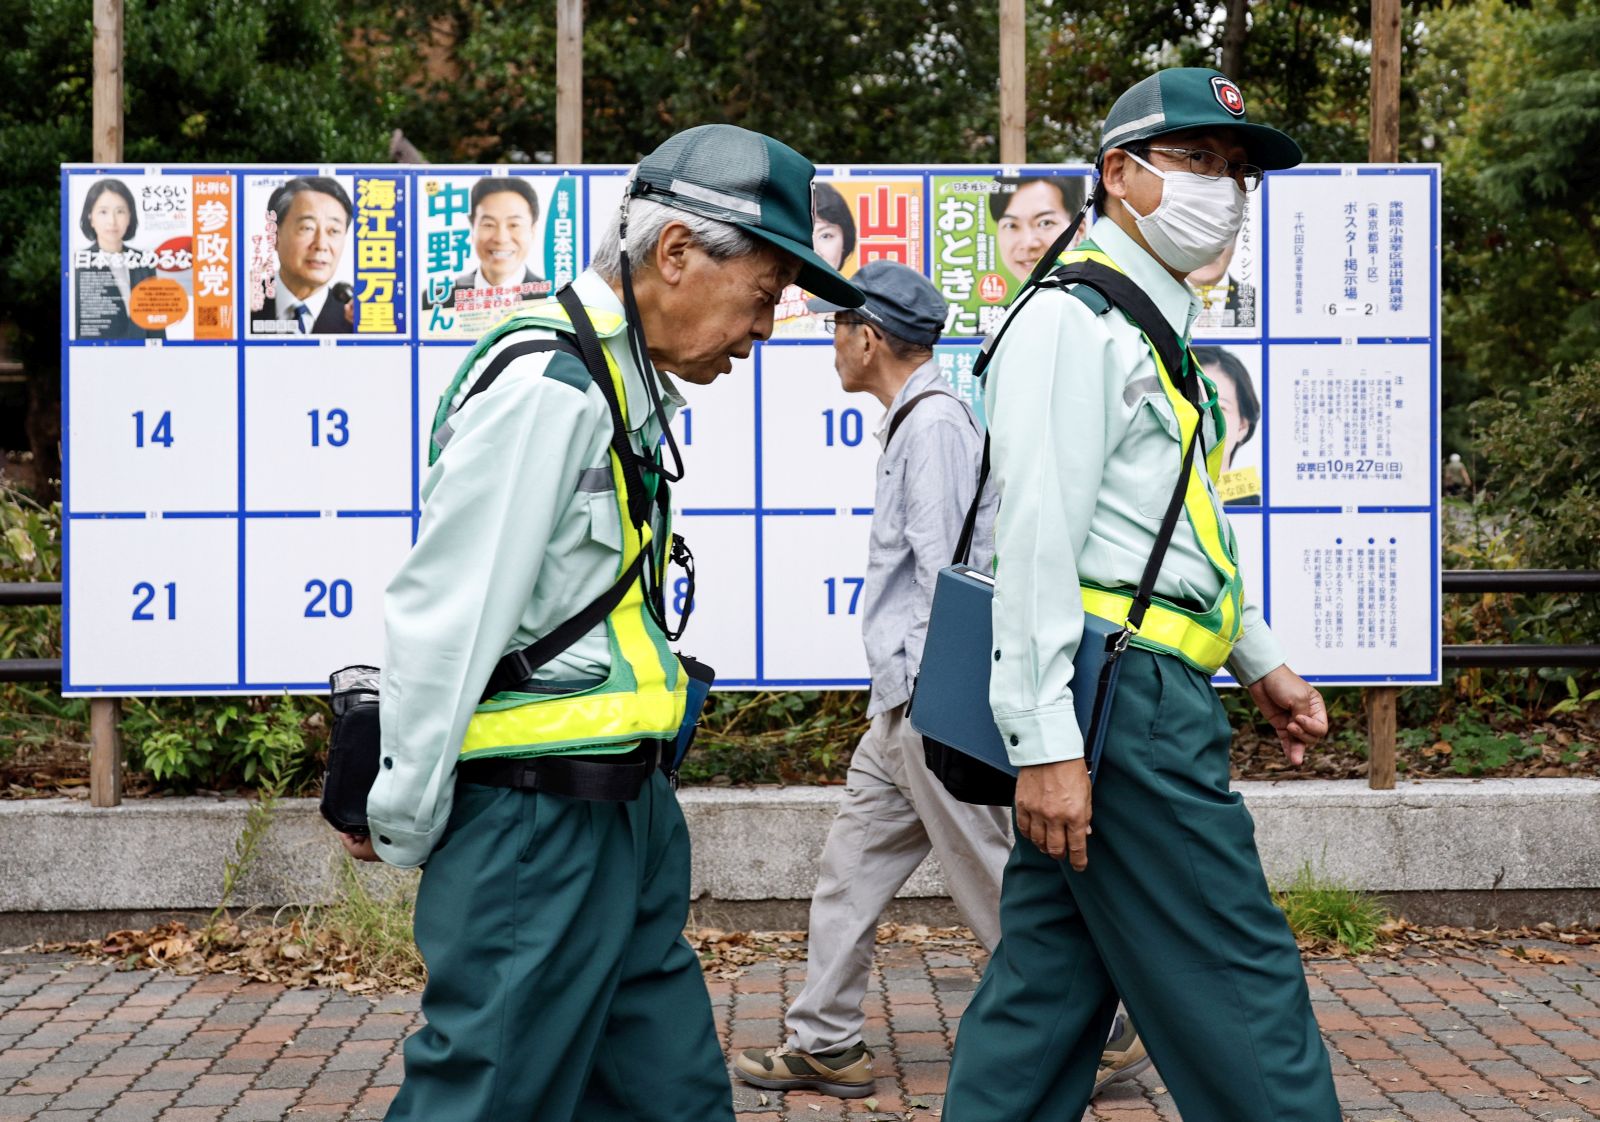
[252, 357]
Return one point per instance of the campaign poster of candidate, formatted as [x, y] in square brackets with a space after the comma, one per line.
[151, 257]
[988, 232]
[489, 243]
[1229, 288]
[325, 255]
[856, 221]
[1235, 371]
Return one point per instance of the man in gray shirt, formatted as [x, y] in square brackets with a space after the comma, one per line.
[895, 811]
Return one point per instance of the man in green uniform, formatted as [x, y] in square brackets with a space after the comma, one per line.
[529, 699]
[1164, 902]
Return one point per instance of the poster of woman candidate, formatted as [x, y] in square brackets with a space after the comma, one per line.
[325, 254]
[490, 243]
[151, 257]
[1236, 372]
[988, 233]
[856, 221]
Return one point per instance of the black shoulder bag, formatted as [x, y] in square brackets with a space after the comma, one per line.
[950, 704]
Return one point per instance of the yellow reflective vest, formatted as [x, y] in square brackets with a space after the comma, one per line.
[643, 695]
[1202, 639]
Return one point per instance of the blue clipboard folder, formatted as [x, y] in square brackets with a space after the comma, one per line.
[951, 701]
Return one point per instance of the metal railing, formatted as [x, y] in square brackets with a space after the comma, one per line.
[30, 669]
[106, 752]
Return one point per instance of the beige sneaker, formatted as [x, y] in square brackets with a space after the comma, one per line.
[845, 1072]
[1123, 1056]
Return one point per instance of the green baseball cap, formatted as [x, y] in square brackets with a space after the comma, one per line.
[1193, 97]
[748, 180]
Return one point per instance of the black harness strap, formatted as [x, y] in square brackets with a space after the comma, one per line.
[509, 355]
[518, 666]
[594, 358]
[905, 411]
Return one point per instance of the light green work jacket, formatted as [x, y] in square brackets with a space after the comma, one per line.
[1086, 455]
[514, 539]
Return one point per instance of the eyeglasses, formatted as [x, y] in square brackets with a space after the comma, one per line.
[1209, 165]
[832, 323]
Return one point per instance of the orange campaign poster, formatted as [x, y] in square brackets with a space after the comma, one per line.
[856, 221]
[213, 257]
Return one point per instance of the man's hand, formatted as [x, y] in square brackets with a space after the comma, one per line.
[359, 848]
[1295, 709]
[1053, 809]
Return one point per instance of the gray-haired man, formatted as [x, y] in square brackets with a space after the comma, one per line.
[552, 906]
[895, 811]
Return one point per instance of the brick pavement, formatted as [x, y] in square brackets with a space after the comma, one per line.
[1483, 1038]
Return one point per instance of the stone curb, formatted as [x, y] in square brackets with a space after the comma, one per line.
[1432, 836]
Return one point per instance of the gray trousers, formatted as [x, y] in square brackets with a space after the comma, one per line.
[894, 812]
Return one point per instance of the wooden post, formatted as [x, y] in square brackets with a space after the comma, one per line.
[107, 81]
[105, 751]
[1383, 146]
[1380, 737]
[1013, 83]
[569, 82]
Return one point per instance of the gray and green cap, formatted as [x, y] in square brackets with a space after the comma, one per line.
[1193, 97]
[748, 180]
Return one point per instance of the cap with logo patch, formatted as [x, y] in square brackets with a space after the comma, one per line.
[899, 299]
[748, 180]
[1193, 97]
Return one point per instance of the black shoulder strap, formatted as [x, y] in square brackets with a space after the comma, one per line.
[905, 411]
[594, 359]
[518, 666]
[1133, 302]
[510, 354]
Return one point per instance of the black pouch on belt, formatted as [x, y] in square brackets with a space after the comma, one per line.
[353, 749]
[700, 678]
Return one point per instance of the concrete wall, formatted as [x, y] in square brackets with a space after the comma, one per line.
[1449, 847]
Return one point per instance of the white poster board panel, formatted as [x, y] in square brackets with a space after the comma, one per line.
[326, 433]
[817, 445]
[1352, 255]
[1345, 594]
[314, 594]
[1350, 424]
[813, 592]
[154, 603]
[716, 433]
[722, 630]
[156, 428]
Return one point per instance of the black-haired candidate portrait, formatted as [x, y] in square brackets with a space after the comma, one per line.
[503, 215]
[1241, 413]
[1029, 212]
[313, 216]
[109, 219]
[833, 228]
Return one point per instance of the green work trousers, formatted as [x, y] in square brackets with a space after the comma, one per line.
[560, 986]
[1173, 914]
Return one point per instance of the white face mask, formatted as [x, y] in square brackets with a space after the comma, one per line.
[1198, 217]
